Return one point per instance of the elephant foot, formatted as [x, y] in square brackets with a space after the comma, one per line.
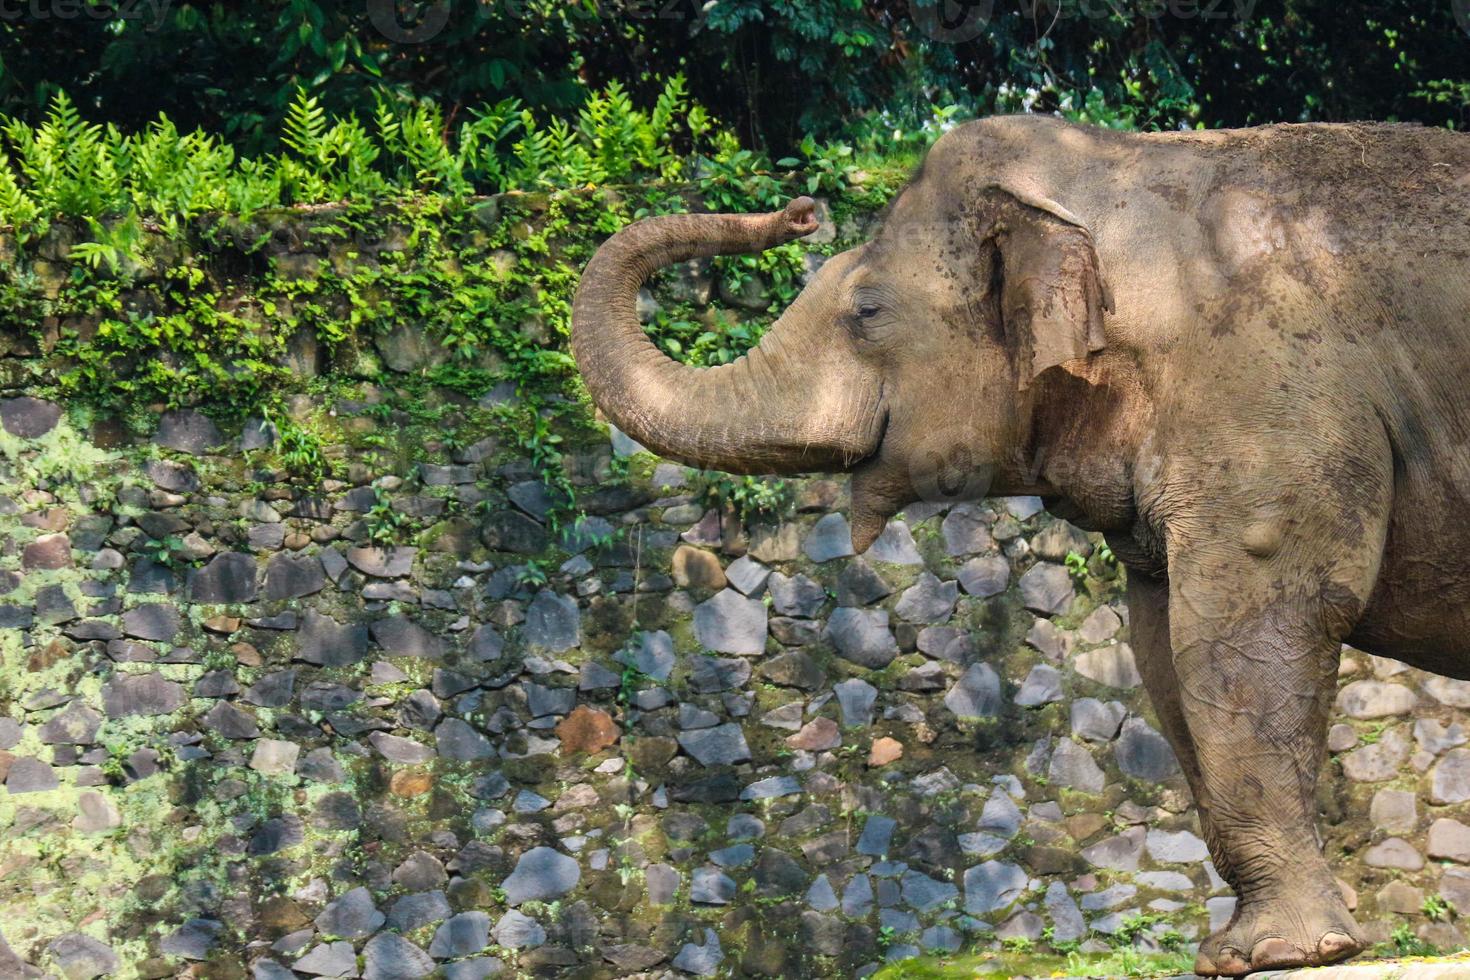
[1278, 934]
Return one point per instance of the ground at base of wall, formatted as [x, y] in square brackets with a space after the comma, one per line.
[1162, 967]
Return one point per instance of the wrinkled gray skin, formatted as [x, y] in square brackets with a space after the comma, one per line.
[1243, 356]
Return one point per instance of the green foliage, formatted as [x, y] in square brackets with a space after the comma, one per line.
[1436, 908]
[750, 497]
[1402, 942]
[382, 522]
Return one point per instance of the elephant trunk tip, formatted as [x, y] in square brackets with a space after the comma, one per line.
[801, 215]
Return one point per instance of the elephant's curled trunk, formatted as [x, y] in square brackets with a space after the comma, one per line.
[785, 407]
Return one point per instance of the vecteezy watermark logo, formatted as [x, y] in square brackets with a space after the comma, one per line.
[945, 467]
[951, 21]
[151, 12]
[411, 22]
[1462, 14]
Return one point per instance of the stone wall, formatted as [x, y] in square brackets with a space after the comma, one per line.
[237, 734]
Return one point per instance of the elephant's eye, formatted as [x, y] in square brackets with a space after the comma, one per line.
[867, 312]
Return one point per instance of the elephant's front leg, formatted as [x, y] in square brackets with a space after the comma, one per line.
[1256, 661]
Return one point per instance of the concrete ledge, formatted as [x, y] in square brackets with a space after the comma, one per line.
[1456, 968]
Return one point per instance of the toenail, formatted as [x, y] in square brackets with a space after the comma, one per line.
[1231, 962]
[1275, 951]
[1336, 945]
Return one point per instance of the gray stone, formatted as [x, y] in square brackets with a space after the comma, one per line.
[291, 577]
[228, 721]
[796, 596]
[402, 637]
[951, 643]
[1397, 853]
[80, 957]
[351, 916]
[1143, 753]
[1375, 699]
[141, 694]
[747, 575]
[1067, 922]
[857, 897]
[1095, 720]
[856, 698]
[993, 886]
[1381, 760]
[830, 538]
[711, 675]
[730, 623]
[1047, 589]
[1101, 625]
[862, 636]
[28, 775]
[382, 562]
[662, 883]
[391, 957]
[416, 911]
[925, 894]
[28, 418]
[1449, 840]
[702, 961]
[711, 886]
[404, 751]
[1180, 847]
[1434, 737]
[966, 530]
[273, 690]
[985, 576]
[228, 578]
[976, 694]
[541, 875]
[516, 930]
[157, 621]
[1058, 540]
[859, 584]
[1042, 685]
[329, 960]
[895, 546]
[96, 814]
[928, 600]
[463, 935]
[76, 724]
[187, 431]
[460, 742]
[274, 757]
[723, 745]
[1000, 815]
[328, 643]
[1120, 853]
[1450, 781]
[877, 835]
[1111, 665]
[553, 622]
[193, 940]
[652, 656]
[1395, 811]
[1072, 766]
[795, 669]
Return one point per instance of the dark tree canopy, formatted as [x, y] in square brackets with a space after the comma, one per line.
[771, 69]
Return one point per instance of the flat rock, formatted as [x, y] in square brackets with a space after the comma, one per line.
[187, 431]
[328, 643]
[156, 621]
[1047, 589]
[862, 636]
[830, 538]
[351, 916]
[1144, 754]
[229, 577]
[928, 600]
[388, 956]
[1112, 665]
[966, 530]
[80, 957]
[993, 886]
[27, 417]
[463, 935]
[895, 546]
[1042, 685]
[516, 930]
[730, 623]
[76, 724]
[553, 622]
[382, 562]
[141, 694]
[293, 576]
[976, 694]
[1073, 766]
[402, 637]
[542, 874]
[985, 576]
[722, 745]
[856, 698]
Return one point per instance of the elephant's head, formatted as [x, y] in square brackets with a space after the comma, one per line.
[908, 361]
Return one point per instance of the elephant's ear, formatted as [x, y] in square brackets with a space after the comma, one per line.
[1053, 295]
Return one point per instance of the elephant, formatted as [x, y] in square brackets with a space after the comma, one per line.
[1242, 356]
